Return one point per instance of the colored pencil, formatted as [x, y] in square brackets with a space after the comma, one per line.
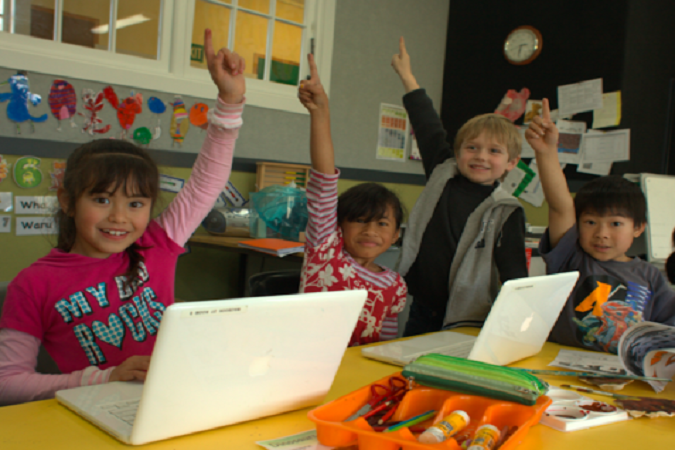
[595, 391]
[413, 421]
[590, 374]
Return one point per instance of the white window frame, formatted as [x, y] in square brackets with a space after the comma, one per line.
[171, 73]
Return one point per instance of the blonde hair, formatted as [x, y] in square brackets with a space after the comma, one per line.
[497, 127]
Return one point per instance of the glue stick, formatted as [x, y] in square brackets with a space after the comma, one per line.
[485, 439]
[447, 427]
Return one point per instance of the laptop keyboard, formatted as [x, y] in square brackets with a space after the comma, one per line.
[460, 350]
[124, 410]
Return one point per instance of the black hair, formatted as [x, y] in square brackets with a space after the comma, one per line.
[612, 195]
[670, 264]
[105, 165]
[368, 201]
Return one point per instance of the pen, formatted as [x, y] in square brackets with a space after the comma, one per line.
[590, 374]
[594, 391]
[388, 414]
[413, 421]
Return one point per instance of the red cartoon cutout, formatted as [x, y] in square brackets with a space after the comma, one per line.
[513, 104]
[93, 103]
[199, 115]
[126, 109]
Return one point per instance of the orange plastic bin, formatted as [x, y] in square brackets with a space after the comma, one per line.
[333, 431]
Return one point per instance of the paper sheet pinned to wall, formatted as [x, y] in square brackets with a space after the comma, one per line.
[569, 140]
[393, 133]
[610, 113]
[533, 192]
[606, 147]
[580, 97]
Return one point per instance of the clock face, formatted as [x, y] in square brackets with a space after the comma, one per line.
[521, 45]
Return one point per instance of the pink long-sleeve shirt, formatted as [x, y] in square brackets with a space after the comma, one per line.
[78, 307]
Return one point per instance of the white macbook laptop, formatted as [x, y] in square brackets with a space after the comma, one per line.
[517, 327]
[221, 362]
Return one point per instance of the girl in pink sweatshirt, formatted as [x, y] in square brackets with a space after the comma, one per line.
[95, 301]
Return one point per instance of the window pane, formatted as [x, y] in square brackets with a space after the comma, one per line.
[250, 41]
[86, 23]
[286, 53]
[262, 6]
[215, 17]
[291, 10]
[34, 18]
[138, 25]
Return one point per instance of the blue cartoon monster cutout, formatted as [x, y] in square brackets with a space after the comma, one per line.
[19, 98]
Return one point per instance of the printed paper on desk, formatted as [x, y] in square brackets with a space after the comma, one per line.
[580, 97]
[533, 193]
[393, 133]
[610, 113]
[603, 363]
[301, 441]
[606, 147]
[569, 141]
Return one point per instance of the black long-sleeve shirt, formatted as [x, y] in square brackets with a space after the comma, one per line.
[428, 277]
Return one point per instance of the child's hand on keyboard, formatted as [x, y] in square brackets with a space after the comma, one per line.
[134, 368]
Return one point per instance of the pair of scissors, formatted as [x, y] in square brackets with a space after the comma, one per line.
[380, 394]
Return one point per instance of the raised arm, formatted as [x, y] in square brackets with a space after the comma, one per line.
[314, 98]
[542, 135]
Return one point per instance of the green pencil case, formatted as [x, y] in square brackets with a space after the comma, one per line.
[475, 378]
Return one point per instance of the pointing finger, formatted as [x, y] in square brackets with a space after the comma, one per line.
[208, 46]
[401, 47]
[546, 114]
[313, 72]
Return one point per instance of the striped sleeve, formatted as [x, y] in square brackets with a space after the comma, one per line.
[389, 328]
[225, 115]
[321, 206]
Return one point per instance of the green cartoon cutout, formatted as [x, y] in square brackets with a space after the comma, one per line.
[26, 172]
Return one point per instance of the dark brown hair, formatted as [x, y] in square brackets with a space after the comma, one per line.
[368, 201]
[612, 195]
[106, 165]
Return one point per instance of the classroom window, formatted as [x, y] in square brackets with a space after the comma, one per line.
[254, 29]
[159, 43]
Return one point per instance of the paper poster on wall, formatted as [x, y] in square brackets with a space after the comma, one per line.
[20, 98]
[126, 109]
[512, 105]
[6, 204]
[33, 226]
[610, 113]
[36, 205]
[415, 154]
[532, 108]
[518, 179]
[63, 102]
[393, 133]
[526, 149]
[5, 224]
[569, 140]
[170, 184]
[533, 192]
[593, 168]
[580, 97]
[607, 147]
[27, 173]
[57, 174]
[4, 168]
[93, 104]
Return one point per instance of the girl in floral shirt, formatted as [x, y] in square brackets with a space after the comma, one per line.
[346, 235]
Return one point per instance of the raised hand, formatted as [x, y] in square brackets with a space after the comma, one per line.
[227, 71]
[311, 92]
[542, 135]
[401, 64]
[133, 368]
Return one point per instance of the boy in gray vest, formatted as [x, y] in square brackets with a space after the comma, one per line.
[592, 233]
[465, 235]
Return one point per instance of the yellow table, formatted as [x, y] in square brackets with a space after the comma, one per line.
[48, 425]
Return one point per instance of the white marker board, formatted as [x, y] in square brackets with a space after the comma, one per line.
[659, 191]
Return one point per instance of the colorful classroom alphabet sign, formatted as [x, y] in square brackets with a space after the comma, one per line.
[26, 172]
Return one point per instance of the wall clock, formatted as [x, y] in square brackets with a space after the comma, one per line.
[522, 45]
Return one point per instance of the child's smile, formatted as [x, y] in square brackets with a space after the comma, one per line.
[365, 241]
[108, 223]
[607, 237]
[484, 159]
